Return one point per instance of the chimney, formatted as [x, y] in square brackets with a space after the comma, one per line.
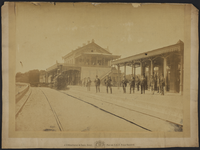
[92, 40]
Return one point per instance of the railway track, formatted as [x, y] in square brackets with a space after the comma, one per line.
[107, 111]
[60, 125]
[16, 115]
[101, 98]
[54, 113]
[108, 102]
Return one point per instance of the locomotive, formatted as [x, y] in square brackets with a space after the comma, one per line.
[59, 82]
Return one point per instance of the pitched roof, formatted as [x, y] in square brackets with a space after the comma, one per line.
[166, 49]
[81, 48]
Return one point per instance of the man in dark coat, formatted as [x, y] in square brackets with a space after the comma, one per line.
[142, 83]
[145, 82]
[108, 83]
[124, 84]
[137, 83]
[152, 84]
[158, 84]
[162, 84]
[97, 84]
[88, 83]
[132, 84]
[155, 84]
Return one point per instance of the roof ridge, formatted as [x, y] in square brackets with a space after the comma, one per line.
[102, 48]
[73, 51]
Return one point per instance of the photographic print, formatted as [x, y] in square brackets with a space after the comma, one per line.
[100, 75]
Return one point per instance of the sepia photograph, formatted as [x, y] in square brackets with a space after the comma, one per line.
[93, 71]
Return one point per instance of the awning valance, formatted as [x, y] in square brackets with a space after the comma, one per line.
[168, 49]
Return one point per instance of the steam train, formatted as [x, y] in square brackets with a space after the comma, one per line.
[59, 82]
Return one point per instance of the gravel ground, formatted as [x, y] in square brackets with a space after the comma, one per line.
[56, 111]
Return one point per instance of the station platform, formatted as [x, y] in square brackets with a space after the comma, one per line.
[168, 107]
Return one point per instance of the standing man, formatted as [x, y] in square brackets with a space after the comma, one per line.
[88, 83]
[97, 83]
[85, 81]
[142, 83]
[155, 80]
[108, 83]
[124, 84]
[162, 84]
[132, 85]
[158, 83]
[137, 83]
[145, 82]
[152, 84]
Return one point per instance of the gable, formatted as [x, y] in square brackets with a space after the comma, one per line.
[92, 47]
[100, 49]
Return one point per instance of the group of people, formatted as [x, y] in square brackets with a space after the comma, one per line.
[107, 81]
[156, 83]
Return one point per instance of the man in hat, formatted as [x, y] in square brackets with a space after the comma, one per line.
[97, 84]
[88, 83]
[124, 83]
[158, 84]
[137, 83]
[108, 83]
[162, 84]
[132, 84]
[142, 83]
[152, 84]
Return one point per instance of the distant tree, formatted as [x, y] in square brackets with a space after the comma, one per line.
[31, 76]
[18, 74]
[22, 77]
[34, 76]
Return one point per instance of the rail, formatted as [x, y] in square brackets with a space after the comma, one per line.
[21, 92]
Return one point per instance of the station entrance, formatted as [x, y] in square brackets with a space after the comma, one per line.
[72, 77]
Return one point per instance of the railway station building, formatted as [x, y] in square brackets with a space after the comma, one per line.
[167, 61]
[86, 61]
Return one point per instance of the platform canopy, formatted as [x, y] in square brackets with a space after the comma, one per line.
[161, 52]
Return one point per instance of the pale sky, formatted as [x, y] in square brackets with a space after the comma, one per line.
[46, 32]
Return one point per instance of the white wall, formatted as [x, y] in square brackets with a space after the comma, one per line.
[93, 71]
[129, 70]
